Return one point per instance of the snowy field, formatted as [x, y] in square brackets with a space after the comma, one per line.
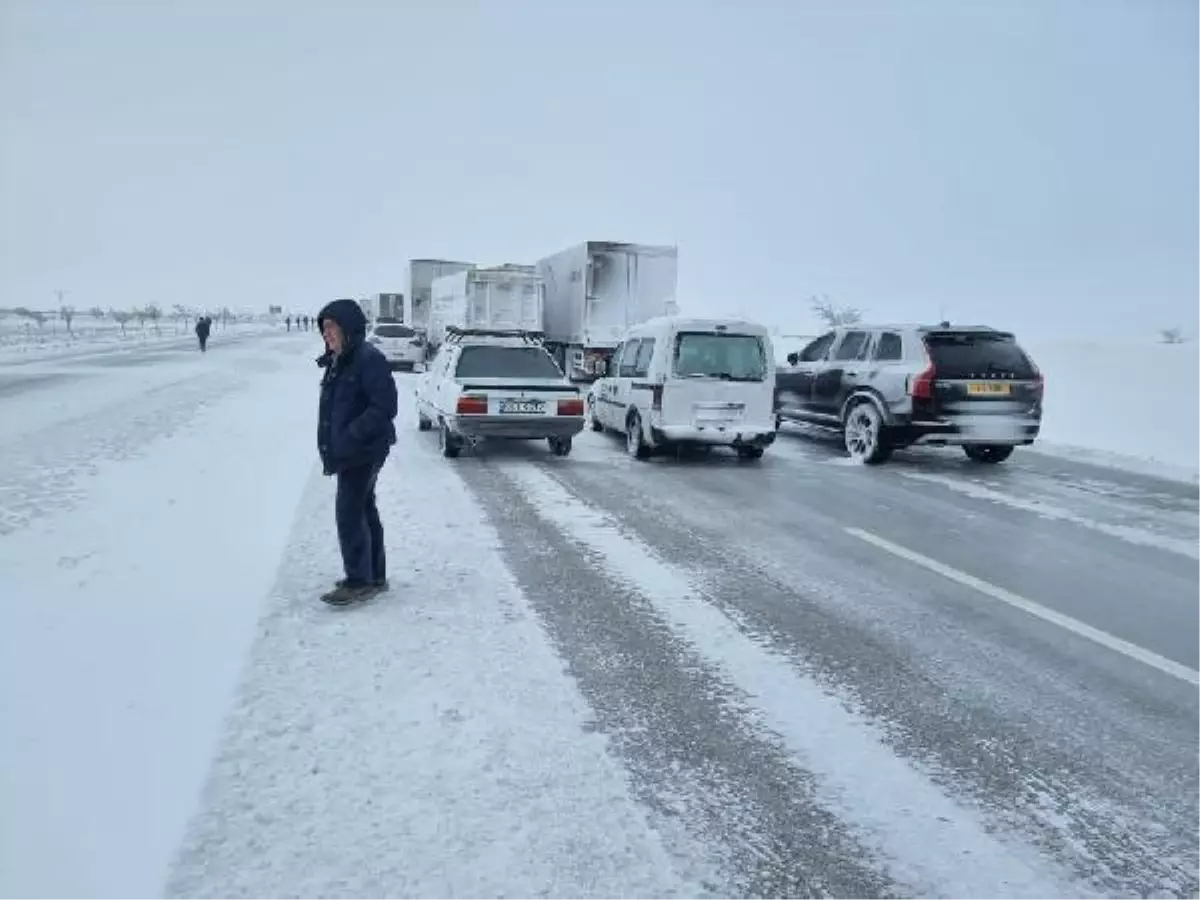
[1135, 405]
[923, 679]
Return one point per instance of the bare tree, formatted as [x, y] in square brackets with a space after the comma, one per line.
[154, 314]
[67, 314]
[182, 314]
[121, 317]
[832, 314]
[97, 313]
[1172, 335]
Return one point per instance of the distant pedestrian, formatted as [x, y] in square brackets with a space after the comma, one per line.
[203, 327]
[355, 432]
[288, 320]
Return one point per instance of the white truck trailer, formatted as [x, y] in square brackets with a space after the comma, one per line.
[421, 275]
[502, 298]
[595, 291]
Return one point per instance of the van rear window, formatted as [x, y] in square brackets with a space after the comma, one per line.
[735, 357]
[977, 355]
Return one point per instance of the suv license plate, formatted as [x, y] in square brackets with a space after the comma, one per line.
[522, 407]
[988, 388]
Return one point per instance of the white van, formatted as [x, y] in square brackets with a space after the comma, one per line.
[676, 381]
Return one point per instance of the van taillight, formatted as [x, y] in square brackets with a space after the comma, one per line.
[472, 405]
[571, 407]
[921, 386]
[656, 398]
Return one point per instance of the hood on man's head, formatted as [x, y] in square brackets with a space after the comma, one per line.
[348, 314]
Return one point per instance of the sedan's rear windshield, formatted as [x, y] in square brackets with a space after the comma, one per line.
[394, 331]
[737, 357]
[974, 355]
[506, 362]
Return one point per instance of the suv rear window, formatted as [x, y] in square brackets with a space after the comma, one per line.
[394, 331]
[506, 362]
[976, 355]
[738, 357]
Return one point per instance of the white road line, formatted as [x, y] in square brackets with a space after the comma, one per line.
[1103, 638]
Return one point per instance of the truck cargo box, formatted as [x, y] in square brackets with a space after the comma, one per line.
[595, 291]
[421, 275]
[504, 297]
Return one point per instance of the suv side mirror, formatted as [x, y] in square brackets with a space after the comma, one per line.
[793, 359]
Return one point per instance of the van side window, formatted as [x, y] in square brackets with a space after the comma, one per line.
[614, 362]
[852, 345]
[644, 355]
[629, 359]
[816, 351]
[888, 347]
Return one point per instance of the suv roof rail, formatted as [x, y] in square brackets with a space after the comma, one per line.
[454, 333]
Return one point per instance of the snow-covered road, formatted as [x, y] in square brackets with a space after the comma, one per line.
[591, 676]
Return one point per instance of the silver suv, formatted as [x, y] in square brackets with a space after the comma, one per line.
[885, 387]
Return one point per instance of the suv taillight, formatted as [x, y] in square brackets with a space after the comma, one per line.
[1038, 378]
[472, 405]
[656, 398]
[920, 386]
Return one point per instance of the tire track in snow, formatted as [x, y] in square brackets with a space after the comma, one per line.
[45, 472]
[1084, 755]
[700, 757]
[926, 841]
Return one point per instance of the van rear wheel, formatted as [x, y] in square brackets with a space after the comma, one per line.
[635, 443]
[750, 452]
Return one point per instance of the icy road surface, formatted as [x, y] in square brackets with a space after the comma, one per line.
[591, 677]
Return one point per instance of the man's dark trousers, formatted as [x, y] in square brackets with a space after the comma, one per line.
[360, 532]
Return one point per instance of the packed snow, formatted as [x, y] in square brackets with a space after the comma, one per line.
[180, 713]
[138, 529]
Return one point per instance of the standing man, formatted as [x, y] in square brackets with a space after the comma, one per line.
[355, 432]
[203, 327]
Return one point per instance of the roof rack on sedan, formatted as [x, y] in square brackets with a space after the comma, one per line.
[454, 333]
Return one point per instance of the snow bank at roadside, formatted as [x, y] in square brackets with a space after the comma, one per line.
[1126, 405]
[21, 344]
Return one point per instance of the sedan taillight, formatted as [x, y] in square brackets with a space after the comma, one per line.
[472, 405]
[571, 407]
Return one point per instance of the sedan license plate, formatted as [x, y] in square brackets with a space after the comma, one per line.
[989, 388]
[522, 407]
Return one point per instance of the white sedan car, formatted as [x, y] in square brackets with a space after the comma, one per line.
[403, 346]
[497, 385]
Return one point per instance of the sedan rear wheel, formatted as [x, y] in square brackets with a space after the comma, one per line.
[448, 443]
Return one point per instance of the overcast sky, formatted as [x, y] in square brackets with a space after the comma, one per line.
[1026, 164]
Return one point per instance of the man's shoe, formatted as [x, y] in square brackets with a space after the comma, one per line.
[347, 593]
[381, 584]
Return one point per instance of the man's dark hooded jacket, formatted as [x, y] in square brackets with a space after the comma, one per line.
[358, 396]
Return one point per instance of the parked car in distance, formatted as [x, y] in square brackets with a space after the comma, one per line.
[885, 387]
[678, 381]
[497, 385]
[401, 345]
